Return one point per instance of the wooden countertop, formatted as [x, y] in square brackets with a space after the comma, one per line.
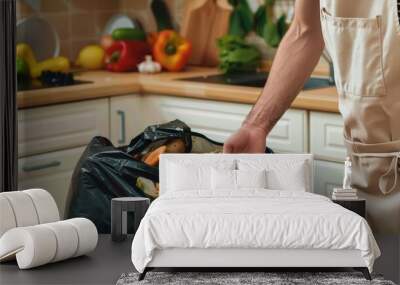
[107, 84]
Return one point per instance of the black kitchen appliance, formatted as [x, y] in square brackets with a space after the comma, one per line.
[255, 79]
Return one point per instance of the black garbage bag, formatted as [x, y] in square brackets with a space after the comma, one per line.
[105, 171]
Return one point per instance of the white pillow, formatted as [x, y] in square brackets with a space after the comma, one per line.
[236, 179]
[223, 179]
[293, 180]
[185, 175]
[251, 178]
[281, 175]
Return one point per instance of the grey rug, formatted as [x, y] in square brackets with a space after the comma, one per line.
[243, 278]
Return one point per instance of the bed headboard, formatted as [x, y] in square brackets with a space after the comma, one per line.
[213, 158]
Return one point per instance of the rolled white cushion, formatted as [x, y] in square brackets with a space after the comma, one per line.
[67, 239]
[33, 246]
[40, 244]
[7, 218]
[23, 208]
[87, 235]
[26, 208]
[46, 207]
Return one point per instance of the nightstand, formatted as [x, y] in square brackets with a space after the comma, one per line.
[356, 206]
[119, 208]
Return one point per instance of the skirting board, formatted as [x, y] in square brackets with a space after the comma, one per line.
[189, 257]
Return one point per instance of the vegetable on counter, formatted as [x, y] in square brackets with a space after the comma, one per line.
[236, 55]
[264, 22]
[149, 66]
[124, 56]
[241, 19]
[171, 50]
[55, 64]
[91, 57]
[25, 52]
[264, 25]
[152, 38]
[135, 34]
[22, 68]
[161, 15]
[106, 41]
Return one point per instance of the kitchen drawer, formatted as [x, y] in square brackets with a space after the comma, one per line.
[51, 171]
[218, 120]
[326, 136]
[327, 175]
[63, 126]
[126, 118]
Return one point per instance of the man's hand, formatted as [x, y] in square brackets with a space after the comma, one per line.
[295, 60]
[248, 139]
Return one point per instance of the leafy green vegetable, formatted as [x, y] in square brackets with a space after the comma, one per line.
[281, 25]
[263, 22]
[246, 15]
[271, 34]
[235, 25]
[236, 55]
[260, 19]
[241, 19]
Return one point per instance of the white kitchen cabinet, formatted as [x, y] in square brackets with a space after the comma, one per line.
[51, 171]
[126, 118]
[218, 120]
[327, 175]
[63, 126]
[290, 134]
[326, 136]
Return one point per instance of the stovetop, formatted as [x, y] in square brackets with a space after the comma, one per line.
[254, 79]
[28, 85]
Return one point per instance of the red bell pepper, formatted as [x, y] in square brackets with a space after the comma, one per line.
[125, 55]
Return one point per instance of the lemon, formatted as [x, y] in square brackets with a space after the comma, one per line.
[91, 57]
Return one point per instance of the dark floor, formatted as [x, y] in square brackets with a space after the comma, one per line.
[103, 266]
[111, 259]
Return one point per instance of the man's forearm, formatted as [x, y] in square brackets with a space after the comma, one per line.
[297, 56]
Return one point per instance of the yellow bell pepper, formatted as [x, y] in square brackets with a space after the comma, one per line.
[55, 64]
[171, 50]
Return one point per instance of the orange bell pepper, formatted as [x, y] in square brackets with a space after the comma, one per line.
[152, 38]
[171, 50]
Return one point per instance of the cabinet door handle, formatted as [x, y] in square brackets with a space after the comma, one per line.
[30, 168]
[122, 139]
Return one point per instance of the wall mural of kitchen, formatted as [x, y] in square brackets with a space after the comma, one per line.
[82, 43]
[105, 87]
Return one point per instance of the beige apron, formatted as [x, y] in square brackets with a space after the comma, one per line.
[363, 40]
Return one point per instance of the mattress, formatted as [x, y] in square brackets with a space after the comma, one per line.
[250, 219]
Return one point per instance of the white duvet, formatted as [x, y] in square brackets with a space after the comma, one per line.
[250, 219]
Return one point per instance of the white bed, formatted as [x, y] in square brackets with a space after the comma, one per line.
[201, 226]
